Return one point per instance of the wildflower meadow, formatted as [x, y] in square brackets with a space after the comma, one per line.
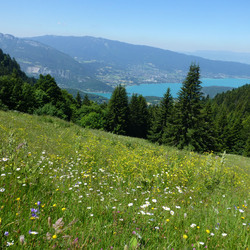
[66, 187]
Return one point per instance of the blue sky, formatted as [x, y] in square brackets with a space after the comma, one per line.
[179, 25]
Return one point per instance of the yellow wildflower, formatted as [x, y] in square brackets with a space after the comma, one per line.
[185, 236]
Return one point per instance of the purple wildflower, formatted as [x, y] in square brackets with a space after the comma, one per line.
[33, 210]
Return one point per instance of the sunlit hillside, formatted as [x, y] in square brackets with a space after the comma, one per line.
[65, 187]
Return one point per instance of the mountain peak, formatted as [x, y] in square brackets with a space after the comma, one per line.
[7, 36]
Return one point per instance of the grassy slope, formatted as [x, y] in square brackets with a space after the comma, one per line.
[113, 191]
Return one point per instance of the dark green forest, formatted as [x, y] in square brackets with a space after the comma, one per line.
[190, 122]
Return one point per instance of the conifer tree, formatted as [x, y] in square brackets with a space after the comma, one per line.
[78, 100]
[49, 86]
[208, 130]
[235, 141]
[246, 133]
[188, 112]
[247, 148]
[163, 116]
[138, 116]
[118, 112]
[86, 100]
[143, 116]
[222, 130]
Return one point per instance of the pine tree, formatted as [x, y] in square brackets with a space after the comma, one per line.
[188, 124]
[138, 116]
[222, 130]
[143, 117]
[86, 100]
[246, 134]
[49, 86]
[208, 130]
[247, 148]
[163, 116]
[118, 112]
[235, 140]
[78, 100]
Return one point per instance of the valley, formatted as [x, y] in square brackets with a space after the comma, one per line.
[98, 65]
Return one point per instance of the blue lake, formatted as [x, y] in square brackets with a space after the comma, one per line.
[160, 89]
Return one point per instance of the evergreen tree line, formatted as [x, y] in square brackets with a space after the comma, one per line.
[189, 122]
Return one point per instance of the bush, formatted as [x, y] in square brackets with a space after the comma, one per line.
[93, 120]
[49, 109]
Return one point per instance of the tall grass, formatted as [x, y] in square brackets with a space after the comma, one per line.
[62, 186]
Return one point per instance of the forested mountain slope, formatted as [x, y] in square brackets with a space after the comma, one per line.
[232, 115]
[235, 100]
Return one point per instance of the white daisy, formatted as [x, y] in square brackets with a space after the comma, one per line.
[166, 208]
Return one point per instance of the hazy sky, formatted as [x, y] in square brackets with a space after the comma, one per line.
[179, 25]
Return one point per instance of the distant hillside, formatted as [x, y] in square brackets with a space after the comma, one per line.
[36, 58]
[117, 62]
[95, 98]
[222, 55]
[212, 91]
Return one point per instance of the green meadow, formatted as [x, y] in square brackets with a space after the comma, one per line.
[66, 187]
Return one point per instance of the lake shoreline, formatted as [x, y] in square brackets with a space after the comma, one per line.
[159, 89]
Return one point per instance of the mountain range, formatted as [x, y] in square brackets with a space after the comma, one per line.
[36, 58]
[229, 56]
[98, 64]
